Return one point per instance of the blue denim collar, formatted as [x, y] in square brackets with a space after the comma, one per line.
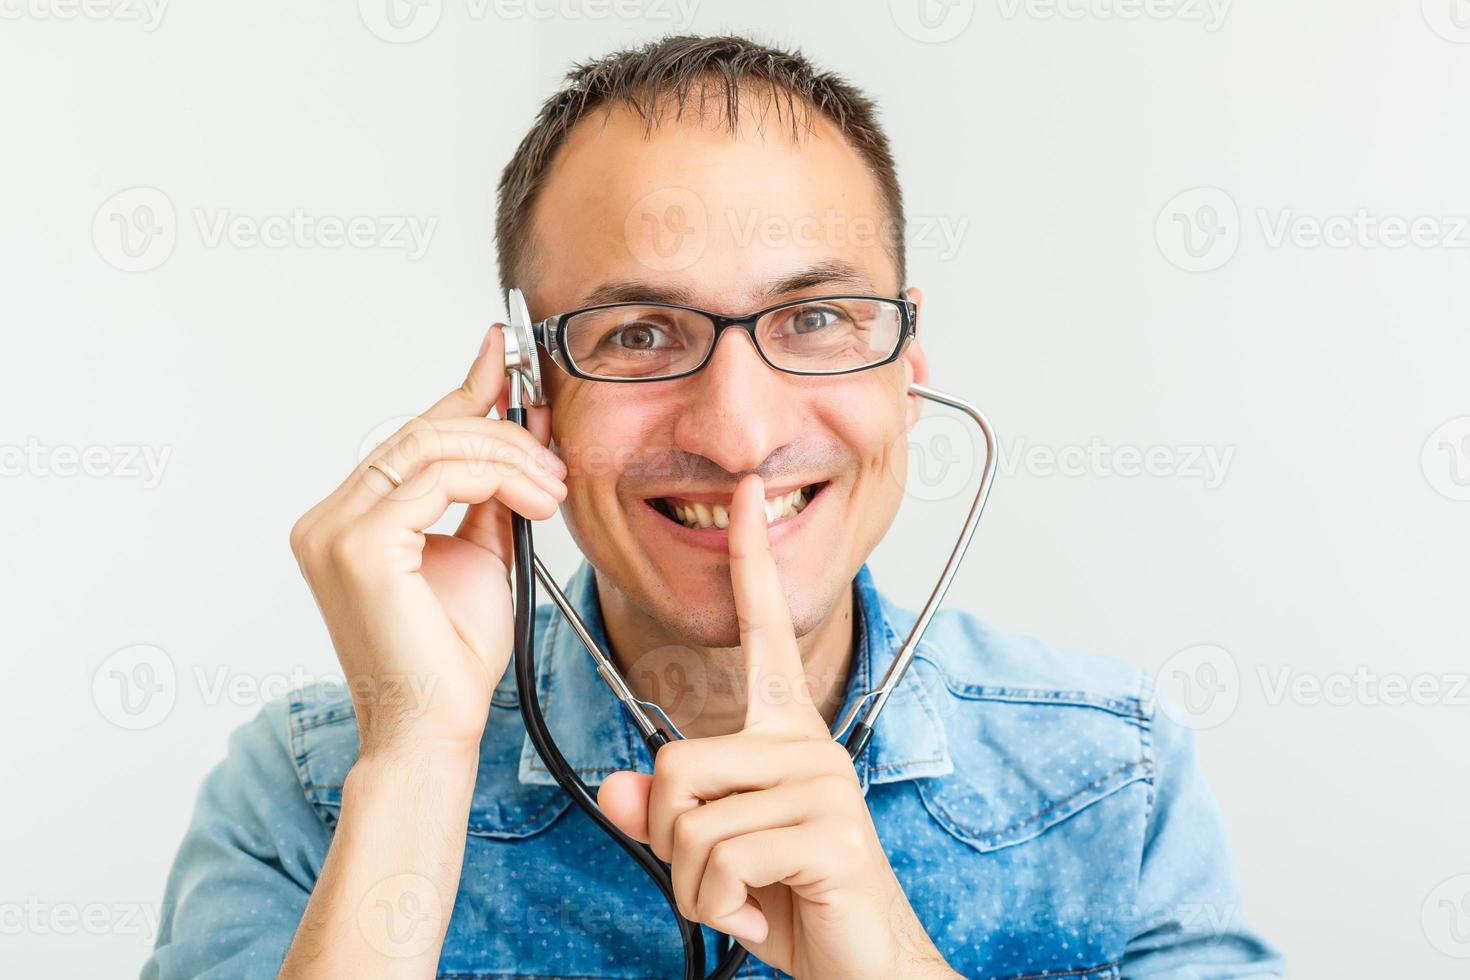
[597, 737]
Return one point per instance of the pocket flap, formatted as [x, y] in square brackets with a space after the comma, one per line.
[1025, 760]
[323, 729]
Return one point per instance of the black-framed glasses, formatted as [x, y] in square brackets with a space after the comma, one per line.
[818, 335]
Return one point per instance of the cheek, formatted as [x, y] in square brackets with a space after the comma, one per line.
[585, 441]
[878, 438]
[886, 465]
[598, 440]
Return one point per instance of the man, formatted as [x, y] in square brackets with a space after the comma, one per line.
[1019, 812]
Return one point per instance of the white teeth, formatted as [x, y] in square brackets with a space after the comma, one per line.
[702, 515]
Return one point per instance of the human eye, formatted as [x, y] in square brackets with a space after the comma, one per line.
[813, 326]
[640, 335]
[815, 319]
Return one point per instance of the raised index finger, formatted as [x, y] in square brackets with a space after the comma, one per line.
[775, 681]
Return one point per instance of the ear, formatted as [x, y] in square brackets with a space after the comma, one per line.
[916, 364]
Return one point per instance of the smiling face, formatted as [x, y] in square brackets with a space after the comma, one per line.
[732, 223]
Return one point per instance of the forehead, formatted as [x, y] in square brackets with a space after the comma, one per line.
[721, 216]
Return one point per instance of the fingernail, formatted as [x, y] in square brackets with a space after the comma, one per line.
[553, 462]
[484, 344]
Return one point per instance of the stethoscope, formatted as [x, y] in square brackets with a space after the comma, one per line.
[523, 367]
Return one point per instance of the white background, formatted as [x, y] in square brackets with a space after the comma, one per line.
[1051, 143]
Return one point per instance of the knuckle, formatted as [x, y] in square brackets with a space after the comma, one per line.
[416, 426]
[844, 842]
[309, 545]
[300, 535]
[690, 834]
[849, 838]
[833, 757]
[421, 439]
[475, 444]
[724, 860]
[347, 549]
[832, 786]
[672, 763]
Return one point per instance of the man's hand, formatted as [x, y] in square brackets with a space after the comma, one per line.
[422, 622]
[422, 625]
[766, 830]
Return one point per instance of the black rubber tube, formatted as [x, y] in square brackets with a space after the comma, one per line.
[556, 763]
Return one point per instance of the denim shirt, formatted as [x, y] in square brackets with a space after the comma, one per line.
[1043, 815]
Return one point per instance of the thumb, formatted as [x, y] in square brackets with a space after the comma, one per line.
[623, 797]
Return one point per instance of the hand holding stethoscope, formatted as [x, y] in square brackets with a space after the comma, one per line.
[422, 626]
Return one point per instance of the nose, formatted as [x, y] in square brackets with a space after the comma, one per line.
[740, 410]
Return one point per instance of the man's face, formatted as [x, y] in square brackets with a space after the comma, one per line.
[730, 223]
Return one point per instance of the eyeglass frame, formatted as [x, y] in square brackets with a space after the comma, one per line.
[550, 333]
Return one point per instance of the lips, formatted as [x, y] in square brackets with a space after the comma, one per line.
[714, 512]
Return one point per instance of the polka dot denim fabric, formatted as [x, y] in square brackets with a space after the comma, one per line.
[1045, 818]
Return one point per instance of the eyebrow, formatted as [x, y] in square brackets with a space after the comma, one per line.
[833, 272]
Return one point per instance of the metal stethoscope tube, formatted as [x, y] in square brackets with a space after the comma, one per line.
[653, 723]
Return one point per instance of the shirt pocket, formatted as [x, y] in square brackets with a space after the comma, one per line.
[323, 734]
[1026, 760]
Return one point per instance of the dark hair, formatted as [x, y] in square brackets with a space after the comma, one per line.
[650, 78]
